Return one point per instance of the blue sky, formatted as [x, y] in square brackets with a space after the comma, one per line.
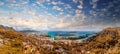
[60, 14]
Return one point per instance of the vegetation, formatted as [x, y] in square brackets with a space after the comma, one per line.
[13, 42]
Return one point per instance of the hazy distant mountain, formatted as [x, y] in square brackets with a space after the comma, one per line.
[29, 31]
[5, 27]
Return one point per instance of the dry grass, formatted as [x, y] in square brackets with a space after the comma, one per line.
[13, 42]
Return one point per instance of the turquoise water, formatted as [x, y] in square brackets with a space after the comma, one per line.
[65, 34]
[69, 33]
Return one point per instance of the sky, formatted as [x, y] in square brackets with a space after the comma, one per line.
[75, 15]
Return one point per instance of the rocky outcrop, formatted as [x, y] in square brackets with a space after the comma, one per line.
[105, 42]
[13, 42]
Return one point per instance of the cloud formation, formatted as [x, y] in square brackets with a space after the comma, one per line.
[59, 15]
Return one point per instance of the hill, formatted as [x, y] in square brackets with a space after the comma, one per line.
[14, 42]
[107, 42]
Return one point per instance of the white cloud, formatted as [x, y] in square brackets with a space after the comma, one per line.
[67, 6]
[40, 4]
[24, 2]
[57, 8]
[94, 3]
[59, 2]
[54, 3]
[40, 1]
[61, 13]
[81, 2]
[75, 1]
[80, 6]
[47, 0]
[78, 12]
[11, 1]
[1, 3]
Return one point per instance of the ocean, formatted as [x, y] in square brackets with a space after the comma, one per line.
[64, 33]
